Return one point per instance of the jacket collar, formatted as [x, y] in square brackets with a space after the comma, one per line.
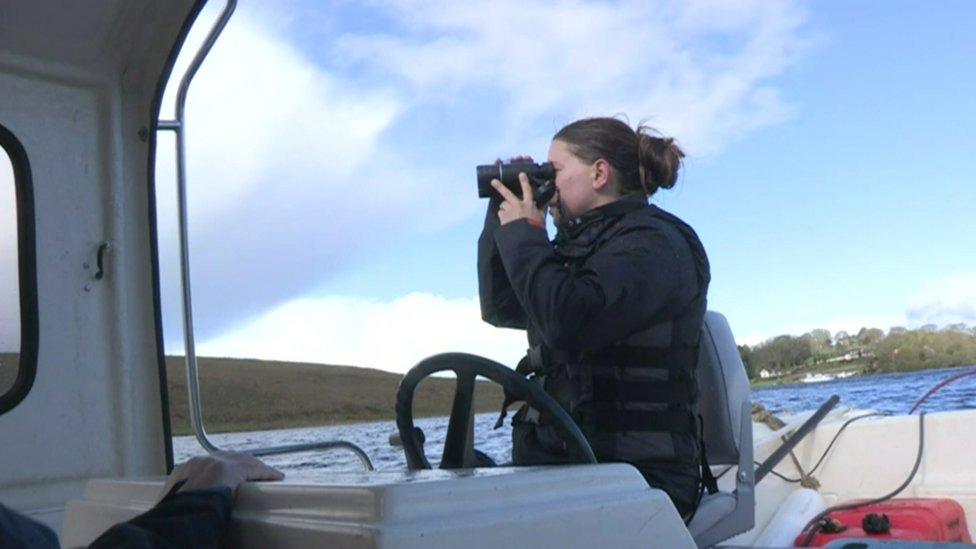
[625, 204]
[578, 235]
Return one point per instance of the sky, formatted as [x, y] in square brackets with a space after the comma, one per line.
[333, 209]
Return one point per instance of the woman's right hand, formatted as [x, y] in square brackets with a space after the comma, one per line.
[496, 199]
[514, 207]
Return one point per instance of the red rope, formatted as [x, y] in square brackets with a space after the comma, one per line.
[942, 384]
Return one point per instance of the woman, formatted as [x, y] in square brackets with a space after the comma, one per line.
[613, 306]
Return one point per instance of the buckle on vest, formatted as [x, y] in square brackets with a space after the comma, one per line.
[526, 367]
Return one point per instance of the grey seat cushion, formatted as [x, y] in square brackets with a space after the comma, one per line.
[713, 508]
[723, 387]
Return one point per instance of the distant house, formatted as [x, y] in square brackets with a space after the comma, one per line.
[851, 356]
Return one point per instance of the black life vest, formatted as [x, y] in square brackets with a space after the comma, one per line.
[636, 400]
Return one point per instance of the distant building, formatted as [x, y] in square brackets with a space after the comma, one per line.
[851, 356]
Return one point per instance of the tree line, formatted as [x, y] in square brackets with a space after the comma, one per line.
[900, 349]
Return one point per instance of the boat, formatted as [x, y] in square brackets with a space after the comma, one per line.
[85, 424]
[821, 377]
[816, 378]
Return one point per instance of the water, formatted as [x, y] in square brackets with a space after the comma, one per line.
[892, 393]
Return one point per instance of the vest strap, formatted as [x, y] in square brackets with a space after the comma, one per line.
[644, 358]
[635, 357]
[612, 420]
[664, 392]
[709, 482]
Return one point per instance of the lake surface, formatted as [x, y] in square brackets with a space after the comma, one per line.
[891, 393]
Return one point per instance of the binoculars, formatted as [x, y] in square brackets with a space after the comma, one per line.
[542, 179]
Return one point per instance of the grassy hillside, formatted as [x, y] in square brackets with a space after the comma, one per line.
[240, 395]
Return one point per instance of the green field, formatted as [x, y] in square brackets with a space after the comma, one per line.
[243, 395]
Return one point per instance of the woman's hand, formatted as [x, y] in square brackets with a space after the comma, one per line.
[514, 208]
[221, 469]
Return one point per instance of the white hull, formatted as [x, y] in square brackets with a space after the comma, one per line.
[531, 507]
[872, 457]
[491, 507]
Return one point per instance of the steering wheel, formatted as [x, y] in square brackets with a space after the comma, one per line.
[458, 443]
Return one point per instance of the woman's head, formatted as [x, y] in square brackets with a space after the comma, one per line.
[599, 159]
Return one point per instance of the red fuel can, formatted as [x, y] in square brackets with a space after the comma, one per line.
[914, 519]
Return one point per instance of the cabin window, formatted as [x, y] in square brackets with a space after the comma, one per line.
[18, 310]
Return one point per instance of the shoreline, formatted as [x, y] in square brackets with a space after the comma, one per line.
[237, 429]
[351, 420]
[796, 378]
[860, 370]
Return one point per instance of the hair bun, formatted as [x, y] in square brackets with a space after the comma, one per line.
[659, 158]
[643, 159]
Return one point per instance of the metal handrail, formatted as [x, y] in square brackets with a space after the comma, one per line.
[178, 126]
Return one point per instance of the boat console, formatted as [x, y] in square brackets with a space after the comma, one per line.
[567, 506]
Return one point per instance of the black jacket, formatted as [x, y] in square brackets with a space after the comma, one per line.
[610, 275]
[195, 518]
[639, 263]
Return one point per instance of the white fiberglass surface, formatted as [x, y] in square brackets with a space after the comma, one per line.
[581, 506]
[94, 407]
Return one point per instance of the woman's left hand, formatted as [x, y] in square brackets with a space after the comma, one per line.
[514, 208]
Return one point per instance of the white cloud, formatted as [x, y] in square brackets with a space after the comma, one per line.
[303, 157]
[389, 335]
[395, 335]
[288, 177]
[943, 301]
[698, 70]
[261, 114]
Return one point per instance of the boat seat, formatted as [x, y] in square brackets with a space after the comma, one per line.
[727, 426]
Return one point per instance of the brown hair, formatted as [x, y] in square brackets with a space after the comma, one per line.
[643, 159]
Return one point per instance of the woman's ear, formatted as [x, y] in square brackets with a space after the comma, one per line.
[601, 172]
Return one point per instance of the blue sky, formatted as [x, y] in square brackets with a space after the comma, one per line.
[333, 205]
[864, 198]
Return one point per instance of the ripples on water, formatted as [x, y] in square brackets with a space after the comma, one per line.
[892, 393]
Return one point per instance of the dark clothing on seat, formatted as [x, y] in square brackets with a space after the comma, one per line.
[196, 518]
[613, 308]
[20, 532]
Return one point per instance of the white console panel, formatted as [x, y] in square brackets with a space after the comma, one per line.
[606, 505]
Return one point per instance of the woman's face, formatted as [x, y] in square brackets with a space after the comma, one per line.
[574, 184]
